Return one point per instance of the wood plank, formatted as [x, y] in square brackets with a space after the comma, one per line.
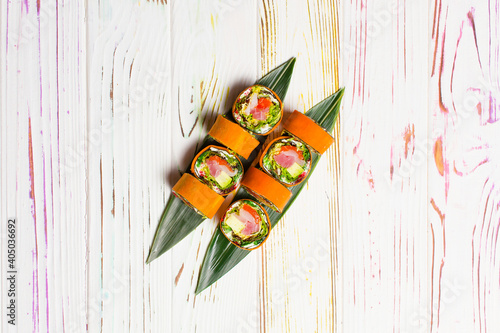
[384, 227]
[463, 199]
[300, 282]
[103, 102]
[135, 163]
[43, 164]
[129, 82]
[214, 56]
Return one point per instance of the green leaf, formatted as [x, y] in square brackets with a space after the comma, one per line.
[179, 220]
[278, 79]
[221, 255]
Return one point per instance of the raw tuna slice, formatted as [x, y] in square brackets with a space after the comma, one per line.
[286, 159]
[250, 218]
[216, 165]
[289, 155]
[258, 109]
[219, 168]
[261, 111]
[245, 224]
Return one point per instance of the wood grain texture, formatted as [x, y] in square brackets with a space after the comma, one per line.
[463, 198]
[43, 163]
[300, 282]
[384, 184]
[222, 64]
[129, 78]
[103, 103]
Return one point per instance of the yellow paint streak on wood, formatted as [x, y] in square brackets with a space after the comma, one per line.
[308, 272]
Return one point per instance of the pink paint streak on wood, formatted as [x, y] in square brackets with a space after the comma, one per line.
[463, 161]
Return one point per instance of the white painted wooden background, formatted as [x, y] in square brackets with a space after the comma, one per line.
[104, 101]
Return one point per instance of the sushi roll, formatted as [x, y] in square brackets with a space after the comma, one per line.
[258, 109]
[245, 224]
[233, 136]
[197, 195]
[266, 189]
[286, 159]
[308, 131]
[218, 168]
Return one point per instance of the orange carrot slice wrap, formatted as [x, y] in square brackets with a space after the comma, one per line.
[233, 136]
[266, 189]
[306, 129]
[197, 195]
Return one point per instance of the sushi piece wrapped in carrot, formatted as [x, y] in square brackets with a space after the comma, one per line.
[258, 109]
[301, 126]
[286, 159]
[266, 189]
[219, 168]
[245, 224]
[197, 195]
[233, 136]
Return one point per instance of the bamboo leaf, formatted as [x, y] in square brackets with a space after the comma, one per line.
[279, 79]
[178, 220]
[221, 255]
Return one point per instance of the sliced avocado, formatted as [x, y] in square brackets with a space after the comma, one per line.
[295, 170]
[235, 224]
[223, 179]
